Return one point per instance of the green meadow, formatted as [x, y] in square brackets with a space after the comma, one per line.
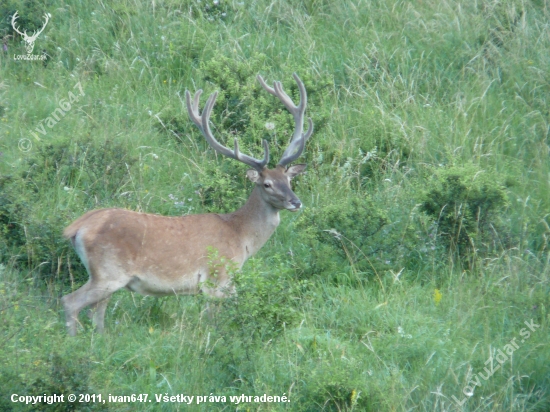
[416, 277]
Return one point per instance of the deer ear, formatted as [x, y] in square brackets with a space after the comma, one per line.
[295, 170]
[253, 175]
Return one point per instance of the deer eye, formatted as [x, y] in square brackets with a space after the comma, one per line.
[267, 185]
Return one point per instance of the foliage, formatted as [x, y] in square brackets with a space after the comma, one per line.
[90, 173]
[264, 303]
[467, 206]
[98, 170]
[427, 171]
[358, 231]
[65, 376]
[30, 16]
[57, 376]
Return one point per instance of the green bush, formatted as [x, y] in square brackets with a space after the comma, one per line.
[334, 390]
[54, 375]
[96, 170]
[354, 232]
[93, 174]
[265, 303]
[243, 108]
[30, 16]
[466, 206]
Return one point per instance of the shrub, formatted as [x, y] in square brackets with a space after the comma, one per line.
[466, 206]
[30, 16]
[243, 108]
[98, 170]
[62, 376]
[28, 228]
[353, 232]
[265, 302]
[65, 376]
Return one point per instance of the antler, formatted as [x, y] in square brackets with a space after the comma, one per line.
[35, 35]
[297, 144]
[24, 34]
[202, 123]
[14, 17]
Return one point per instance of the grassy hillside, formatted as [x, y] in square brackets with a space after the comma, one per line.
[415, 278]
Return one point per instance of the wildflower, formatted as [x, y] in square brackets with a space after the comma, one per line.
[402, 333]
[437, 296]
[353, 397]
[270, 126]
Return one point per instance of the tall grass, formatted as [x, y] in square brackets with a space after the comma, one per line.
[365, 301]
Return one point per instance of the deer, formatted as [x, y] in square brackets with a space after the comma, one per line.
[161, 255]
[29, 39]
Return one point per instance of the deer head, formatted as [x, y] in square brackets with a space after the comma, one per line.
[274, 184]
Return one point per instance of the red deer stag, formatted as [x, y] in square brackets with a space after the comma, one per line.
[159, 255]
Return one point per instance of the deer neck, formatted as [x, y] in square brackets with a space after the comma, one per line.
[256, 220]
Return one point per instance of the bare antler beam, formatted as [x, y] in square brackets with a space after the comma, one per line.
[297, 144]
[202, 122]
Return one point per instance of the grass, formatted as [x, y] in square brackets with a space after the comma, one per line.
[374, 308]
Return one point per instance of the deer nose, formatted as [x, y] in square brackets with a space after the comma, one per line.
[296, 203]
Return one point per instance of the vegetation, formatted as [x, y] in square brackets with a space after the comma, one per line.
[420, 255]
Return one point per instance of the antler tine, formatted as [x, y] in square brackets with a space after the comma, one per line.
[297, 144]
[193, 108]
[201, 121]
[47, 16]
[13, 18]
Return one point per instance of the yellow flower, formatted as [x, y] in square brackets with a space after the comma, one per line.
[353, 397]
[437, 296]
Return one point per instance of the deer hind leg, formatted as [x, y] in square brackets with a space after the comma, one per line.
[92, 293]
[97, 314]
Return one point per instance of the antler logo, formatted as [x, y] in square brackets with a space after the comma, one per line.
[30, 39]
